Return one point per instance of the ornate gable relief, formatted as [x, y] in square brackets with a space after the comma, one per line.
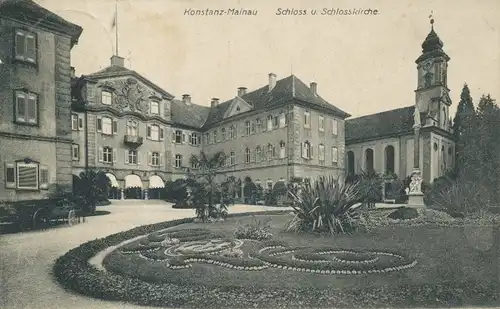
[130, 95]
[238, 105]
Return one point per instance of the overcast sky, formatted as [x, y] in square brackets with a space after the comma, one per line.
[362, 64]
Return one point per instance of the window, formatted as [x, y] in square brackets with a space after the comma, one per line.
[321, 124]
[238, 108]
[25, 46]
[275, 122]
[223, 134]
[75, 152]
[389, 160]
[106, 97]
[132, 128]
[350, 163]
[154, 132]
[259, 125]
[306, 150]
[194, 139]
[106, 125]
[282, 120]
[195, 165]
[215, 136]
[131, 156]
[155, 159]
[335, 155]
[269, 123]
[26, 110]
[178, 161]
[199, 139]
[232, 158]
[247, 128]
[232, 132]
[178, 137]
[335, 126]
[270, 150]
[154, 107]
[247, 155]
[74, 122]
[258, 154]
[44, 177]
[307, 119]
[321, 149]
[253, 128]
[107, 154]
[369, 159]
[282, 149]
[27, 175]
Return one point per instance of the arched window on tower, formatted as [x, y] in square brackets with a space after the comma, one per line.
[428, 79]
[389, 160]
[350, 163]
[369, 159]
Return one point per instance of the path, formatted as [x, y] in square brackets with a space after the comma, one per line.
[26, 259]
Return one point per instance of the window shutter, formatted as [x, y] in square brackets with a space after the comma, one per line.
[114, 155]
[80, 122]
[161, 159]
[138, 157]
[10, 175]
[302, 150]
[30, 48]
[20, 45]
[115, 126]
[199, 140]
[100, 154]
[148, 131]
[44, 177]
[31, 109]
[160, 109]
[150, 158]
[126, 156]
[173, 136]
[99, 124]
[183, 137]
[312, 150]
[161, 134]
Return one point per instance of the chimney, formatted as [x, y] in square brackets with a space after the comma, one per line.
[314, 88]
[73, 75]
[272, 81]
[215, 102]
[118, 61]
[186, 98]
[242, 91]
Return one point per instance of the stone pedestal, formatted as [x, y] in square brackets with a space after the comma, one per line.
[145, 194]
[122, 194]
[415, 195]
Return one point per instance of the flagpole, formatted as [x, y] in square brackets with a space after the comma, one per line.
[116, 27]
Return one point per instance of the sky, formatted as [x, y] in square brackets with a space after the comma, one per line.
[362, 64]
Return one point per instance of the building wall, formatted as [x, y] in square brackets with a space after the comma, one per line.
[48, 142]
[185, 149]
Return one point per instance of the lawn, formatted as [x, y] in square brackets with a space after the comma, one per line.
[389, 265]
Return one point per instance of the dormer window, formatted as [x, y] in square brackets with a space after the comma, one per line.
[106, 97]
[238, 109]
[154, 107]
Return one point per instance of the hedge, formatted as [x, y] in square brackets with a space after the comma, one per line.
[74, 272]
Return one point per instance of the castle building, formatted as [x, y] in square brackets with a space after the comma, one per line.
[142, 136]
[35, 127]
[384, 142]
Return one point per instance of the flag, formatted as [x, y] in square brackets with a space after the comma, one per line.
[113, 23]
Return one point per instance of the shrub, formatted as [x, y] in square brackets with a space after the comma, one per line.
[256, 230]
[403, 213]
[326, 206]
[456, 199]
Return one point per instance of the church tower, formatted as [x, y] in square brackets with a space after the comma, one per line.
[432, 98]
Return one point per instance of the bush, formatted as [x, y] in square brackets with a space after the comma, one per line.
[403, 213]
[256, 230]
[326, 206]
[457, 198]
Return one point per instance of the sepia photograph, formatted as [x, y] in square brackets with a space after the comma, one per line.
[249, 154]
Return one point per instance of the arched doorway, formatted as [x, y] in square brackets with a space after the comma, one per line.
[369, 160]
[156, 187]
[389, 160]
[114, 189]
[350, 163]
[133, 187]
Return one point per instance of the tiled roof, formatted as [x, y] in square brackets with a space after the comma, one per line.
[285, 90]
[393, 122]
[191, 115]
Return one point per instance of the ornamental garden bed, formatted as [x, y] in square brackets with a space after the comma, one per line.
[181, 263]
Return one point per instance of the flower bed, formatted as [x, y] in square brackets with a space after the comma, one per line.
[74, 272]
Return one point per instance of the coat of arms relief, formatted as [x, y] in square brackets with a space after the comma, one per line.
[129, 95]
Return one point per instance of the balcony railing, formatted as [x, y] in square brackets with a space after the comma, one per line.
[133, 140]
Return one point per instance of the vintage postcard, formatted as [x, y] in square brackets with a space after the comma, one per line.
[249, 154]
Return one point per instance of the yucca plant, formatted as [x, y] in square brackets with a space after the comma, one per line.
[326, 206]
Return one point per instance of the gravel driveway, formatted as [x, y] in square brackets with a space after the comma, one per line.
[26, 259]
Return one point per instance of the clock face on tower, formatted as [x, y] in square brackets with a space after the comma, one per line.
[427, 65]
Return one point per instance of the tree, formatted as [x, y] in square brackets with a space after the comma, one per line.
[249, 189]
[203, 185]
[464, 125]
[91, 188]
